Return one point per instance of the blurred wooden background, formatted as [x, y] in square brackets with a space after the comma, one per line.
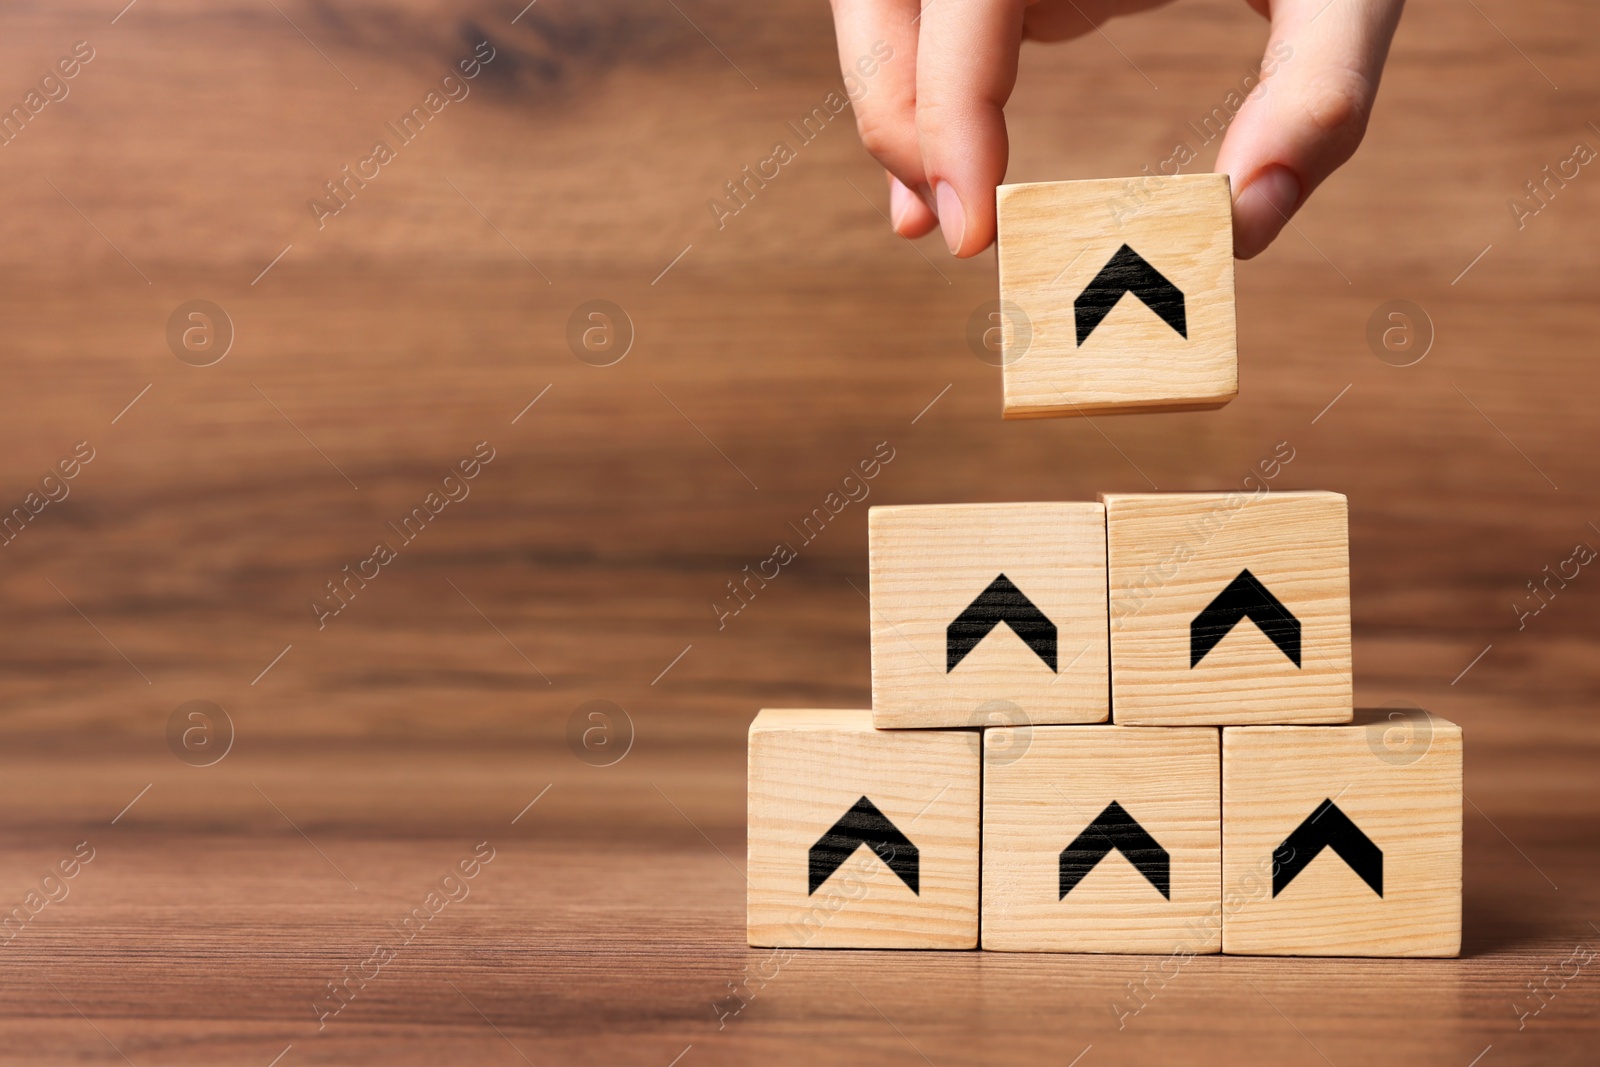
[373, 353]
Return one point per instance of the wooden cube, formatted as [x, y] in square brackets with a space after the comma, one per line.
[1102, 839]
[1117, 295]
[988, 614]
[1343, 840]
[1229, 608]
[861, 838]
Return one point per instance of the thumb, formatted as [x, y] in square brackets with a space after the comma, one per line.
[1306, 117]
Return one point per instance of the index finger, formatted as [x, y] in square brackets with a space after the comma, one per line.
[878, 57]
[966, 69]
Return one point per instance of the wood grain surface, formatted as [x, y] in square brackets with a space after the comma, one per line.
[1049, 789]
[1172, 556]
[807, 769]
[1056, 241]
[373, 755]
[1397, 777]
[929, 565]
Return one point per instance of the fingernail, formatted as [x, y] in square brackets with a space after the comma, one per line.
[952, 219]
[1263, 208]
[900, 200]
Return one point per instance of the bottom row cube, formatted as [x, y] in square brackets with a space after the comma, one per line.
[1341, 840]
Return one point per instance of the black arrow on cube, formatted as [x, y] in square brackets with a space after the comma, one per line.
[1244, 598]
[1000, 602]
[1327, 827]
[1127, 272]
[864, 824]
[1114, 828]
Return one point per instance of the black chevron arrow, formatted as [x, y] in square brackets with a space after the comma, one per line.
[1114, 828]
[1327, 827]
[1245, 598]
[1127, 272]
[864, 824]
[1001, 602]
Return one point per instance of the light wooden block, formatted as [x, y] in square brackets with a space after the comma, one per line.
[1143, 876]
[1117, 295]
[912, 795]
[1182, 565]
[941, 577]
[1343, 840]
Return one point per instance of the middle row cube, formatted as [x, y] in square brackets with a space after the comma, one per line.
[1160, 608]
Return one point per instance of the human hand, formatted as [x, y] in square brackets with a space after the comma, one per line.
[935, 118]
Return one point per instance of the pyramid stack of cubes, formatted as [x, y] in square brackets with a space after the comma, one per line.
[1115, 726]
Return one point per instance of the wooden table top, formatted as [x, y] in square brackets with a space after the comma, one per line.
[376, 749]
